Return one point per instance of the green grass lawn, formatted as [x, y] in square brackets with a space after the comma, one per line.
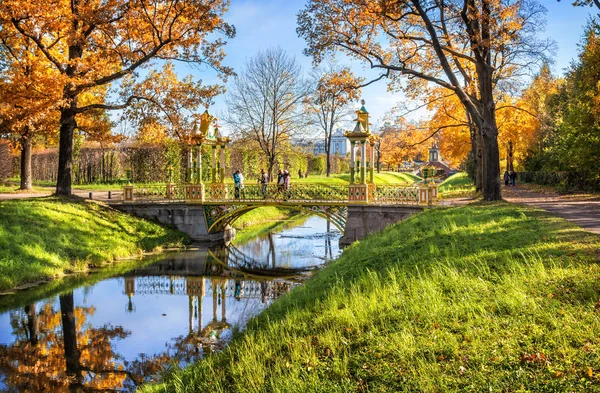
[491, 297]
[459, 184]
[341, 179]
[380, 178]
[47, 237]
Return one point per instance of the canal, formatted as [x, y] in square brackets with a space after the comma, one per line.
[127, 329]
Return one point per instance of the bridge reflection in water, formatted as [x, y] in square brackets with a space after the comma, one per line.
[113, 334]
[224, 274]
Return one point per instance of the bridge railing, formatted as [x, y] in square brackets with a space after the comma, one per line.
[303, 192]
[395, 195]
[297, 193]
[160, 193]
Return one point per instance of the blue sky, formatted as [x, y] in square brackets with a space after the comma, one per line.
[264, 23]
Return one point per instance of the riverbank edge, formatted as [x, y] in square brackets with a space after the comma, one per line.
[261, 224]
[489, 296]
[67, 281]
[55, 227]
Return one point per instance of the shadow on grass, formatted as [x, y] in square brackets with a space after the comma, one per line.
[484, 234]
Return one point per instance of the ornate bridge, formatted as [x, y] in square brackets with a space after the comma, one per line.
[206, 212]
[222, 204]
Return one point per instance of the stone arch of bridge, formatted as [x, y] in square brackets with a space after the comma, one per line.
[218, 216]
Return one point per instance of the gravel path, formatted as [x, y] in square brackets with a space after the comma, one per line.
[581, 209]
[96, 195]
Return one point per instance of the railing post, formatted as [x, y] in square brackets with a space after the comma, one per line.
[170, 191]
[128, 193]
[194, 193]
[424, 195]
[434, 192]
[358, 193]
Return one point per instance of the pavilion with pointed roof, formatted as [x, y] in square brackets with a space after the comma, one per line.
[361, 136]
[206, 133]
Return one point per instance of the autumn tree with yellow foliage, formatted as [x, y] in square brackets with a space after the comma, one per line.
[416, 44]
[91, 44]
[335, 88]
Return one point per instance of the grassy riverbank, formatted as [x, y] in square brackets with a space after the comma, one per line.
[491, 297]
[47, 237]
[457, 185]
[12, 185]
[263, 220]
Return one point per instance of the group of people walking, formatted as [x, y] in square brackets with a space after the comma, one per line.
[510, 177]
[283, 183]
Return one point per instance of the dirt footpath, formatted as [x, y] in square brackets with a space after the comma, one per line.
[581, 209]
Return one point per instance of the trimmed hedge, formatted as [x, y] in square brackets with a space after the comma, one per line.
[564, 180]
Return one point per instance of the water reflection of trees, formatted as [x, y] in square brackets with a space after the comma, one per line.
[56, 348]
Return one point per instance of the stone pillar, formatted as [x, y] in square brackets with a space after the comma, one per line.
[222, 166]
[424, 195]
[128, 193]
[352, 161]
[194, 192]
[363, 162]
[214, 164]
[372, 172]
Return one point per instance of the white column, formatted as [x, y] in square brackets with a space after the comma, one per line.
[363, 162]
[222, 174]
[214, 164]
[352, 161]
[199, 164]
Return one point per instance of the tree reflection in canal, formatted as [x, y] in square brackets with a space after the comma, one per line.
[114, 335]
[56, 350]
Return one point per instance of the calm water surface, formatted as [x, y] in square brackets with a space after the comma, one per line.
[125, 330]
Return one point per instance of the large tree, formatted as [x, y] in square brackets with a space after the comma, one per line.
[334, 89]
[96, 43]
[264, 102]
[583, 3]
[29, 101]
[465, 46]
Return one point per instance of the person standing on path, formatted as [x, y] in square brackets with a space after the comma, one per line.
[264, 181]
[286, 184]
[513, 177]
[506, 178]
[236, 182]
[238, 179]
[280, 182]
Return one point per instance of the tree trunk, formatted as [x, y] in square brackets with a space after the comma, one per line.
[271, 163]
[65, 151]
[491, 162]
[32, 324]
[488, 127]
[509, 157]
[26, 148]
[328, 147]
[69, 328]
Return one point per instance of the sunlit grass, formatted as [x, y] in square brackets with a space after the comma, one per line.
[380, 178]
[488, 297]
[45, 238]
[457, 185]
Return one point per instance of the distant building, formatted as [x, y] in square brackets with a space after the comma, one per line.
[435, 160]
[339, 144]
